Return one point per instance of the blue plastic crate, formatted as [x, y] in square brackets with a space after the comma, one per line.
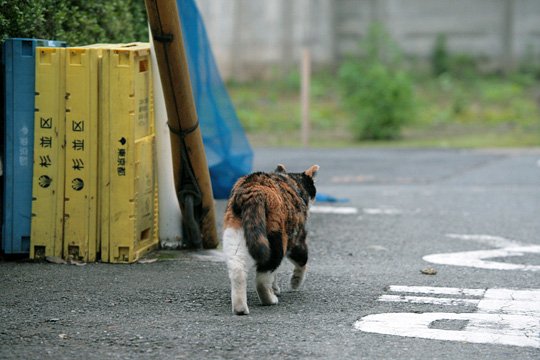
[18, 66]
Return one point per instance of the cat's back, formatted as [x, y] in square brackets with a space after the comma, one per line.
[257, 182]
[258, 187]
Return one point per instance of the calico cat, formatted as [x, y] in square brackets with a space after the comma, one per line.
[265, 221]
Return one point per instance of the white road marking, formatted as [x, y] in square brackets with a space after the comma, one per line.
[377, 248]
[478, 258]
[481, 328]
[437, 290]
[352, 179]
[495, 241]
[428, 300]
[507, 301]
[504, 316]
[381, 211]
[333, 210]
[512, 302]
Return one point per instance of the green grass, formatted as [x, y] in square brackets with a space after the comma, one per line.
[480, 111]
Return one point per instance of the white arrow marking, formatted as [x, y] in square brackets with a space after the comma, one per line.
[495, 241]
[478, 258]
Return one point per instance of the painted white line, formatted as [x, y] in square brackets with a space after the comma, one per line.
[495, 241]
[499, 329]
[429, 300]
[333, 210]
[478, 258]
[376, 248]
[351, 179]
[437, 290]
[382, 211]
[504, 317]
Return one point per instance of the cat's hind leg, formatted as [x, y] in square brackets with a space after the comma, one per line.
[298, 255]
[297, 278]
[234, 246]
[265, 281]
[275, 285]
[266, 271]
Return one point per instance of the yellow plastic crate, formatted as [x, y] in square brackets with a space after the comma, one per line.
[49, 156]
[128, 183]
[81, 170]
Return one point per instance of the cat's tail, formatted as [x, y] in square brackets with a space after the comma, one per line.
[254, 225]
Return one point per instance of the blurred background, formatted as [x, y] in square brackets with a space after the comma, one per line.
[431, 73]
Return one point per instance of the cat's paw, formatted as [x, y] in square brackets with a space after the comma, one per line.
[266, 295]
[270, 299]
[241, 310]
[296, 281]
[276, 289]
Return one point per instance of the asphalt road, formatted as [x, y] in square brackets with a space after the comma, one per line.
[365, 296]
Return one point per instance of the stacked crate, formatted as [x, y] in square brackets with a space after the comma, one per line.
[81, 170]
[18, 81]
[94, 186]
[49, 155]
[128, 184]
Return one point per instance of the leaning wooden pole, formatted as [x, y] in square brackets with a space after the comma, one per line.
[191, 175]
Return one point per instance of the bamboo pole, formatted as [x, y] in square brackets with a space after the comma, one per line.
[164, 22]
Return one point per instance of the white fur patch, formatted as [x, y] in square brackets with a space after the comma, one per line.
[265, 281]
[238, 263]
[234, 243]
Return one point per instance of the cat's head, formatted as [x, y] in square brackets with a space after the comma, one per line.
[305, 179]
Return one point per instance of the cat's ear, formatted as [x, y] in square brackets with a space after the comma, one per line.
[280, 169]
[312, 171]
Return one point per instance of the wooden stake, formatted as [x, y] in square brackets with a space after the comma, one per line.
[305, 71]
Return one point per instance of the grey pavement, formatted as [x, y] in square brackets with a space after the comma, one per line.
[406, 204]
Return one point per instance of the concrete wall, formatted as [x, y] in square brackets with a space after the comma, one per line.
[261, 38]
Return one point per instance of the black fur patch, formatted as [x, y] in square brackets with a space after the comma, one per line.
[306, 186]
[299, 254]
[276, 253]
[237, 210]
[255, 231]
[309, 185]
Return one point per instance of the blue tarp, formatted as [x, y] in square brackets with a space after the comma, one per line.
[228, 152]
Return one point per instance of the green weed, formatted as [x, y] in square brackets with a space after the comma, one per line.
[483, 111]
